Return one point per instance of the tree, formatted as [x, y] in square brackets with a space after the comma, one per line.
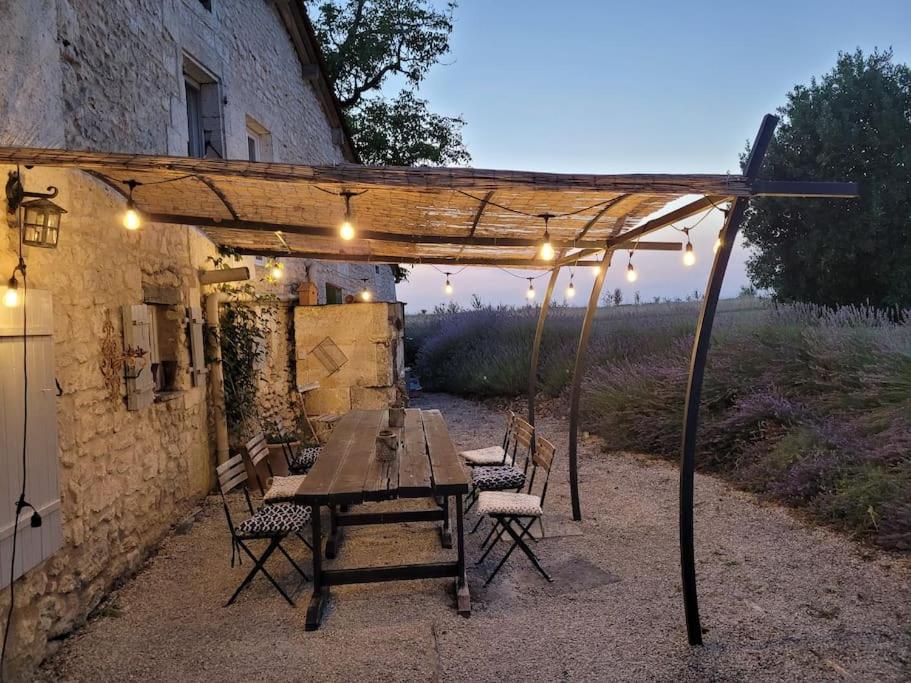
[853, 124]
[367, 42]
[617, 296]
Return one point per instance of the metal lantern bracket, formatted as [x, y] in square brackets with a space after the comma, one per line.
[15, 192]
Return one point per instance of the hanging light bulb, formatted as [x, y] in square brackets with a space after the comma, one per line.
[571, 288]
[448, 286]
[346, 230]
[546, 252]
[11, 296]
[530, 294]
[689, 256]
[277, 270]
[596, 270]
[366, 294]
[631, 274]
[131, 218]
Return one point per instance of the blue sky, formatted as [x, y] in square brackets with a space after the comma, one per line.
[619, 87]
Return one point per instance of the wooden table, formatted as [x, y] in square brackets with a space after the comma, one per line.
[347, 473]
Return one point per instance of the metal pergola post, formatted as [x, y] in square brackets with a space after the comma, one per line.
[578, 371]
[694, 384]
[536, 345]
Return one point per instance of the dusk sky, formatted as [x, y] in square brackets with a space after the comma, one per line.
[610, 87]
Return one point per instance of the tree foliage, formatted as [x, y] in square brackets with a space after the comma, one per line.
[853, 124]
[367, 42]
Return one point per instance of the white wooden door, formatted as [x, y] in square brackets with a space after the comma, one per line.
[34, 543]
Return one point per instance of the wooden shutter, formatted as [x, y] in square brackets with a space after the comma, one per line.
[34, 544]
[137, 336]
[198, 368]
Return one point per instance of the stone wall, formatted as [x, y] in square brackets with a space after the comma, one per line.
[108, 75]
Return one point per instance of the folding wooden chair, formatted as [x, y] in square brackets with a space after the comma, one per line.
[319, 425]
[515, 513]
[270, 522]
[299, 459]
[507, 475]
[492, 455]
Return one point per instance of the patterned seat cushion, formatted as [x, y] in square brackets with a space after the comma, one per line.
[498, 478]
[492, 455]
[281, 518]
[305, 458]
[509, 503]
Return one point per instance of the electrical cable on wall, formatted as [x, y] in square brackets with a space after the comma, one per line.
[21, 503]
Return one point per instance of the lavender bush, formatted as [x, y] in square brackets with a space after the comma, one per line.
[806, 405]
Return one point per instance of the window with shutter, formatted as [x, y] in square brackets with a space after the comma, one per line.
[198, 368]
[34, 544]
[137, 339]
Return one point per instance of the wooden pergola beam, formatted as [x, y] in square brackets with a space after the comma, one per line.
[376, 235]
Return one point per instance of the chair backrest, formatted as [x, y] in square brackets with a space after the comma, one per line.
[256, 450]
[542, 459]
[522, 442]
[510, 424]
[231, 474]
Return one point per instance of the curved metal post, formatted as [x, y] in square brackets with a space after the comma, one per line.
[694, 385]
[578, 371]
[536, 345]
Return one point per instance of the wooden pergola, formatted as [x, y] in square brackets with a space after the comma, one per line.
[457, 217]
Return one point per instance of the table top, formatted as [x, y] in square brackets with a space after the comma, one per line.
[347, 470]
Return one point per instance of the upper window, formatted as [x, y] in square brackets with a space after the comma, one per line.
[334, 295]
[205, 124]
[259, 141]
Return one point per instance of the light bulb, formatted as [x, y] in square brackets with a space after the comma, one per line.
[447, 287]
[547, 249]
[596, 270]
[717, 245]
[278, 271]
[631, 274]
[570, 291]
[131, 218]
[366, 295]
[689, 257]
[530, 294]
[11, 296]
[346, 232]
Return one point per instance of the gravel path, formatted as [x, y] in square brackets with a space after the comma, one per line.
[780, 600]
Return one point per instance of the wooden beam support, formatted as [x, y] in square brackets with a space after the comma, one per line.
[395, 258]
[536, 344]
[806, 189]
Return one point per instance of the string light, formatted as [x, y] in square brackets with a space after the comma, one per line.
[631, 274]
[571, 289]
[131, 218]
[689, 256]
[11, 295]
[596, 270]
[366, 294]
[448, 286]
[546, 251]
[346, 230]
[276, 270]
[530, 294]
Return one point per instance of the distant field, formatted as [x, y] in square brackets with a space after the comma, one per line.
[804, 405]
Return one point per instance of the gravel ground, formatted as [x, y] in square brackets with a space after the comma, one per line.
[780, 600]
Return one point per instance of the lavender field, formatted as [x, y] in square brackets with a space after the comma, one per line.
[803, 405]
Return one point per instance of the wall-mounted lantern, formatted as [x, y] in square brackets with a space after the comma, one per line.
[41, 219]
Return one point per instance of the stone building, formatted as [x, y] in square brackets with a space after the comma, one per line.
[217, 78]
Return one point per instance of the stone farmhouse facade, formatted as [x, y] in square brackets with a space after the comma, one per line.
[218, 78]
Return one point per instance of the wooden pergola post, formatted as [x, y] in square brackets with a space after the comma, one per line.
[694, 384]
[575, 392]
[536, 345]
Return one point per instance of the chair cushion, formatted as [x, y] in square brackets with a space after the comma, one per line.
[498, 478]
[509, 503]
[281, 518]
[305, 458]
[492, 455]
[283, 487]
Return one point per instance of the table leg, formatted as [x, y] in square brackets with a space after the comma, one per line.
[320, 592]
[463, 597]
[335, 534]
[446, 529]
